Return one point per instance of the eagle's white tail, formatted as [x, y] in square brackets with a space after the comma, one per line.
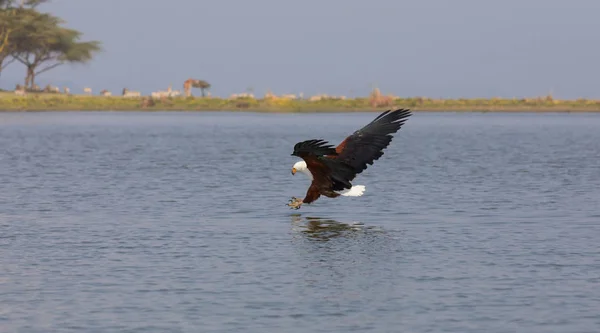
[355, 191]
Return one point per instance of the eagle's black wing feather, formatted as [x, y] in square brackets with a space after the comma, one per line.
[313, 147]
[366, 145]
[341, 174]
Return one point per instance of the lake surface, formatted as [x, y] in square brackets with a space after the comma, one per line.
[176, 222]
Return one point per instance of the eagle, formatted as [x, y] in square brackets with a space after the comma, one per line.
[331, 169]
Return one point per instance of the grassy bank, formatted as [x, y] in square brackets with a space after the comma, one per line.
[59, 102]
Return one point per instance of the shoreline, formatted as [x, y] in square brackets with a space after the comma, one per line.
[9, 102]
[414, 110]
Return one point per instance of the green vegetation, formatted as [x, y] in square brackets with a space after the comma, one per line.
[38, 40]
[61, 102]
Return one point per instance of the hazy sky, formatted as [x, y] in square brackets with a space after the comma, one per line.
[435, 48]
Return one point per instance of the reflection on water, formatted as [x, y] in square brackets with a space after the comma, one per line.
[324, 228]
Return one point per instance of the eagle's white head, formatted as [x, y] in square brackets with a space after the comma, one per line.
[300, 166]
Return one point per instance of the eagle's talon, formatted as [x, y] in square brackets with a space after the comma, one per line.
[295, 203]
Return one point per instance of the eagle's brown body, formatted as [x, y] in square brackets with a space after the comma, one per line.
[333, 169]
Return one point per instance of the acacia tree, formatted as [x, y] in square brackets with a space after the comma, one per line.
[5, 31]
[42, 44]
[9, 19]
[12, 16]
[202, 85]
[7, 26]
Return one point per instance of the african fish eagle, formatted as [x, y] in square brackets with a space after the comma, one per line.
[332, 169]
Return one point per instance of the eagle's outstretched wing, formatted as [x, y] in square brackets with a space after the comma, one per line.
[366, 145]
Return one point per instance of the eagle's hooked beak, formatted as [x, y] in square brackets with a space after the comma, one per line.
[293, 171]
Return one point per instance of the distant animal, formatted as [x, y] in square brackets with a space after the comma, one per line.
[105, 93]
[168, 93]
[20, 92]
[66, 90]
[241, 95]
[132, 94]
[331, 170]
[51, 89]
[87, 90]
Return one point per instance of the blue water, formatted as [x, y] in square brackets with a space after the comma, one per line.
[176, 222]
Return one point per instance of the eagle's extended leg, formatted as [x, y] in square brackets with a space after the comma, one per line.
[295, 203]
[312, 194]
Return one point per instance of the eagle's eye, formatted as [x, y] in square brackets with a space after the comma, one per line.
[293, 171]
